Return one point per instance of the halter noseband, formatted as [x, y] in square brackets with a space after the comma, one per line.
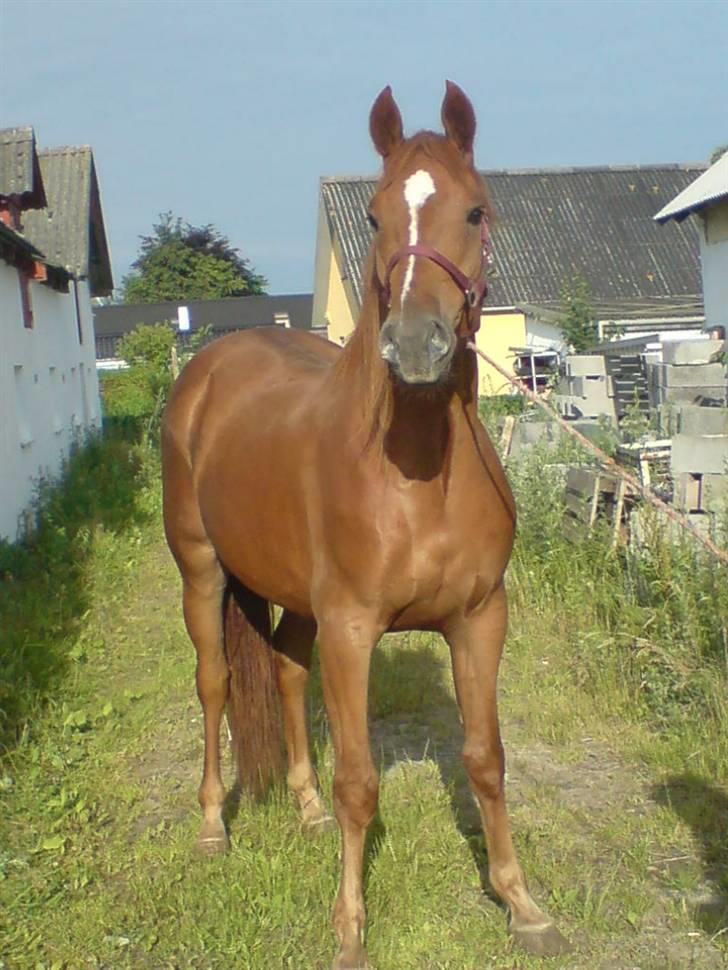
[474, 290]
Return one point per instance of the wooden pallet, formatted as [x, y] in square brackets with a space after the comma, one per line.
[593, 494]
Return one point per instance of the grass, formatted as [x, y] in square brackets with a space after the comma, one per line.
[614, 715]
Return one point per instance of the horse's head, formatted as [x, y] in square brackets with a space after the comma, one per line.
[429, 215]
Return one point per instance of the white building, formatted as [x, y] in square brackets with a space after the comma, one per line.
[707, 197]
[53, 258]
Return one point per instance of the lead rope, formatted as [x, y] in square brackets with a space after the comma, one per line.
[678, 517]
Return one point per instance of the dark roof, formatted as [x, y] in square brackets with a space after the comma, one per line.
[231, 313]
[552, 224]
[12, 242]
[70, 230]
[17, 251]
[20, 174]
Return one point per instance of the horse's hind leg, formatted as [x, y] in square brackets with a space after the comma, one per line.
[203, 587]
[293, 643]
[476, 643]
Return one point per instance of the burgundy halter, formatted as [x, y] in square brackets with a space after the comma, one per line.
[474, 290]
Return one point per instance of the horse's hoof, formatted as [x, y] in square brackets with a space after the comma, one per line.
[541, 941]
[314, 827]
[212, 840]
[351, 958]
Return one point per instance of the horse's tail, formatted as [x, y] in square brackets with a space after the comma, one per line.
[253, 713]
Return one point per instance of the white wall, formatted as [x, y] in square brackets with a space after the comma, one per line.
[49, 393]
[544, 335]
[714, 257]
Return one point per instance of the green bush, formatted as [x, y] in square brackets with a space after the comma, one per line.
[135, 397]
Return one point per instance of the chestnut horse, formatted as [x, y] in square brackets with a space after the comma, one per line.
[356, 489]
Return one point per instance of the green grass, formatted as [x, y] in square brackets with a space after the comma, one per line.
[614, 717]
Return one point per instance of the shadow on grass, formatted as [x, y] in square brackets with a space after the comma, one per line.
[704, 807]
[45, 581]
[414, 716]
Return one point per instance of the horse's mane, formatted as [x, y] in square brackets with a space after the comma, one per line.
[360, 365]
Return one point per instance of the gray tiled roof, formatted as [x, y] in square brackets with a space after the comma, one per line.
[552, 224]
[70, 230]
[19, 171]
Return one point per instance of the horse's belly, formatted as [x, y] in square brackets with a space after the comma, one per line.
[257, 523]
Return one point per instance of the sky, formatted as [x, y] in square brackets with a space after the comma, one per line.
[230, 112]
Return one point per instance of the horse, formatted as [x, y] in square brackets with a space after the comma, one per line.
[356, 490]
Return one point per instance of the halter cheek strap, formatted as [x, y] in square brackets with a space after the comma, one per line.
[474, 290]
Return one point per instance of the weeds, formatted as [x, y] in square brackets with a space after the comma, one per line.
[108, 487]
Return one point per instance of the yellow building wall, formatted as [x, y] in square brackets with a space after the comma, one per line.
[338, 312]
[498, 333]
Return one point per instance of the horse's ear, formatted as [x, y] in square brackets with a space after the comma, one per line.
[458, 118]
[385, 123]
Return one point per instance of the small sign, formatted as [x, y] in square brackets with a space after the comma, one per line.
[183, 317]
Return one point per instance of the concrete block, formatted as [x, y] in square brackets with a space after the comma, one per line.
[699, 454]
[687, 492]
[591, 386]
[668, 418]
[586, 365]
[714, 494]
[717, 395]
[696, 375]
[692, 419]
[685, 352]
[526, 434]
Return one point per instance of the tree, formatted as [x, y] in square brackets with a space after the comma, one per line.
[719, 152]
[139, 391]
[577, 322]
[182, 262]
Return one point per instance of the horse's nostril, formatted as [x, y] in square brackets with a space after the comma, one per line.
[388, 346]
[439, 339]
[388, 350]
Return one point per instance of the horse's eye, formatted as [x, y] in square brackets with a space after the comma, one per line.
[475, 215]
[372, 222]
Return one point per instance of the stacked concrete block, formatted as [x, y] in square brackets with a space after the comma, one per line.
[695, 420]
[704, 454]
[687, 352]
[526, 434]
[586, 390]
[691, 372]
[700, 471]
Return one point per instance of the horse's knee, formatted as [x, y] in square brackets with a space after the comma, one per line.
[212, 678]
[356, 795]
[486, 769]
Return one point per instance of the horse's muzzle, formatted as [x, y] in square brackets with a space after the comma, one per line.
[419, 353]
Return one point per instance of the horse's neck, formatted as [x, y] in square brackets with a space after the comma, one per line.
[410, 428]
[424, 425]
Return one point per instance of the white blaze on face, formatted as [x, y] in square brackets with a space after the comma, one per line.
[417, 190]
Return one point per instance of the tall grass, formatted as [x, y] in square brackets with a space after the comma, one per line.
[643, 629]
[108, 486]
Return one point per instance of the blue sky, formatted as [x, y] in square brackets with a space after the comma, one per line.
[229, 112]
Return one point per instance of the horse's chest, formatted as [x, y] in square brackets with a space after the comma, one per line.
[439, 564]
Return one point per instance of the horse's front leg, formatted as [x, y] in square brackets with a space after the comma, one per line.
[476, 644]
[345, 646]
